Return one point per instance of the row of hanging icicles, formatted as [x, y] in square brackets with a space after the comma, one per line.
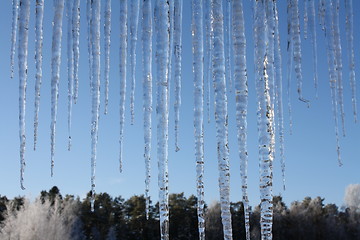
[218, 37]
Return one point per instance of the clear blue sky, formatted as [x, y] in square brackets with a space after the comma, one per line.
[311, 161]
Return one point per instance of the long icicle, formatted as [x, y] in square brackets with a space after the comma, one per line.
[147, 94]
[133, 24]
[198, 70]
[70, 65]
[265, 120]
[55, 71]
[162, 29]
[290, 52]
[89, 40]
[221, 116]
[306, 19]
[312, 27]
[332, 71]
[15, 19]
[241, 97]
[107, 34]
[228, 44]
[177, 65]
[95, 105]
[39, 15]
[350, 50]
[122, 66]
[76, 44]
[208, 64]
[279, 94]
[22, 57]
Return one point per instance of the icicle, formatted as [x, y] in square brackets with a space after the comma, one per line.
[39, 12]
[322, 13]
[265, 120]
[76, 48]
[330, 49]
[133, 23]
[88, 19]
[122, 66]
[177, 65]
[350, 50]
[338, 61]
[208, 57]
[162, 28]
[290, 51]
[241, 97]
[313, 42]
[228, 43]
[221, 116]
[147, 88]
[278, 94]
[306, 19]
[70, 65]
[107, 32]
[295, 25]
[55, 71]
[15, 18]
[22, 56]
[95, 36]
[198, 70]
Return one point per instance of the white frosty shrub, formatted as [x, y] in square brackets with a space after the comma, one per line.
[352, 197]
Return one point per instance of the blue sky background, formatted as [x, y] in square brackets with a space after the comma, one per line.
[311, 160]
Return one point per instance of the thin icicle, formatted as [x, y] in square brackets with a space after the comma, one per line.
[290, 50]
[107, 33]
[88, 20]
[312, 27]
[208, 57]
[228, 43]
[22, 57]
[221, 116]
[330, 49]
[76, 44]
[177, 65]
[133, 24]
[39, 14]
[278, 94]
[306, 19]
[241, 97]
[265, 120]
[350, 50]
[162, 29]
[95, 105]
[322, 13]
[70, 65]
[122, 66]
[198, 70]
[15, 19]
[338, 61]
[147, 93]
[55, 71]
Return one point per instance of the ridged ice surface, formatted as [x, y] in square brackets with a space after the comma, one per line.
[227, 15]
[76, 45]
[147, 93]
[23, 68]
[208, 54]
[162, 30]
[312, 29]
[241, 94]
[14, 26]
[198, 70]
[55, 71]
[290, 50]
[39, 16]
[107, 40]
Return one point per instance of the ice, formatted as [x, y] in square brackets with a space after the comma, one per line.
[15, 19]
[107, 33]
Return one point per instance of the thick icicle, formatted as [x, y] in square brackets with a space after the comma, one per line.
[147, 93]
[306, 19]
[107, 33]
[278, 93]
[290, 51]
[122, 66]
[312, 27]
[39, 14]
[228, 43]
[15, 18]
[70, 65]
[55, 71]
[177, 65]
[95, 90]
[241, 97]
[133, 24]
[338, 61]
[198, 70]
[265, 119]
[22, 57]
[162, 29]
[76, 43]
[221, 116]
[350, 50]
[208, 63]
[330, 49]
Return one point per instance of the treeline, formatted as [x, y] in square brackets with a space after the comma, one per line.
[53, 216]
